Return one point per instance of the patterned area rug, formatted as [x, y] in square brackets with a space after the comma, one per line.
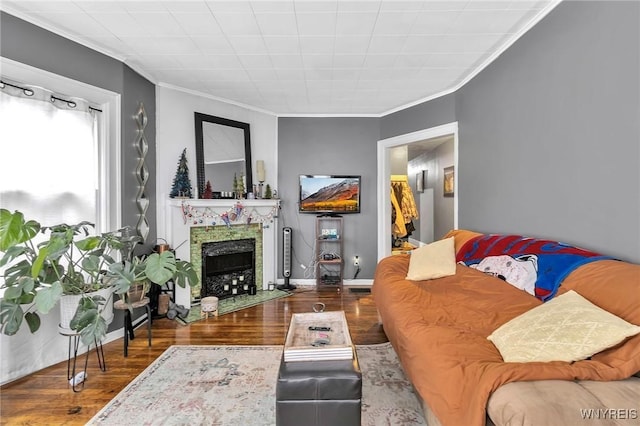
[236, 385]
[237, 303]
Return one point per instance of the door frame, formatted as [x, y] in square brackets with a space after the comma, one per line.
[384, 180]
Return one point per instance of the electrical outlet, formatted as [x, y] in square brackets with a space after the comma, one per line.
[356, 261]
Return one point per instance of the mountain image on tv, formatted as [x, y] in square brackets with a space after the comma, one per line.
[329, 194]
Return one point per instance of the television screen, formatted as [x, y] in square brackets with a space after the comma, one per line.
[329, 194]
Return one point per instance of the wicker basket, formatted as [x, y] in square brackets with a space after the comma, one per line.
[137, 292]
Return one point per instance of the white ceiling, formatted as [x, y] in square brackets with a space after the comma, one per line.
[297, 57]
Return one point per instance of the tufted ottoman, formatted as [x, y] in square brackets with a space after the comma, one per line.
[317, 393]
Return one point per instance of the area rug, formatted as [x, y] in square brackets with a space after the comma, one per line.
[236, 385]
[237, 303]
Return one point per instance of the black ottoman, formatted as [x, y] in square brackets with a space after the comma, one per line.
[317, 393]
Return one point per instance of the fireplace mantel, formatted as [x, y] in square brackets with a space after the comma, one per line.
[183, 214]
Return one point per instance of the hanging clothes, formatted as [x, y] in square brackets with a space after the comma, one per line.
[404, 208]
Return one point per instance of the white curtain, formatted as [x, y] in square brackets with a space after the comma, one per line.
[49, 171]
[49, 166]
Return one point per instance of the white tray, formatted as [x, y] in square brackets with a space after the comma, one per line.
[298, 345]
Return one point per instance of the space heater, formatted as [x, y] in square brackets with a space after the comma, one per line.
[286, 259]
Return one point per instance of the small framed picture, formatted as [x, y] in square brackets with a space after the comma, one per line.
[448, 180]
[421, 178]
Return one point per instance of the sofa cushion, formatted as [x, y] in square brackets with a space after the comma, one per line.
[433, 260]
[564, 402]
[568, 328]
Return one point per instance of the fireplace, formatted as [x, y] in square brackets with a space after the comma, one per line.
[197, 222]
[228, 268]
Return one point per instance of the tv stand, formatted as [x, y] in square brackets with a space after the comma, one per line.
[329, 252]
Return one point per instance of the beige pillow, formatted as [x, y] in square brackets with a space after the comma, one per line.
[567, 328]
[434, 260]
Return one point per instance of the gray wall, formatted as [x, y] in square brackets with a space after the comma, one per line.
[549, 133]
[423, 116]
[339, 146]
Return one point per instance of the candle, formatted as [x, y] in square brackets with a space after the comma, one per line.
[260, 170]
[226, 287]
[234, 291]
[245, 287]
[241, 277]
[234, 281]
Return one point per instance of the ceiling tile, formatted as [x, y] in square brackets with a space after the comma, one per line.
[392, 22]
[244, 45]
[119, 23]
[230, 6]
[157, 24]
[348, 61]
[317, 61]
[380, 60]
[314, 24]
[353, 23]
[238, 24]
[263, 74]
[306, 6]
[187, 7]
[351, 45]
[287, 61]
[277, 23]
[286, 45]
[430, 22]
[280, 6]
[386, 43]
[359, 6]
[316, 45]
[198, 24]
[144, 6]
[255, 61]
[217, 45]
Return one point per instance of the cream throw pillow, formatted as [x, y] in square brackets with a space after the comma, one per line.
[434, 260]
[567, 328]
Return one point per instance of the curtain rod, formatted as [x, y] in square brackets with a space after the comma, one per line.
[29, 92]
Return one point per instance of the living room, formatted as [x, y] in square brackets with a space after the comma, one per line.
[548, 136]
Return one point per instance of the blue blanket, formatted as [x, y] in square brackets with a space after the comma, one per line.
[533, 265]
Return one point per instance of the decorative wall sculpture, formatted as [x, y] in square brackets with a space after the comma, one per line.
[142, 174]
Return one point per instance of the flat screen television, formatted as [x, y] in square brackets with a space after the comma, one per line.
[329, 194]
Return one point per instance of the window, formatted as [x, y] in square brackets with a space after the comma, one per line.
[59, 161]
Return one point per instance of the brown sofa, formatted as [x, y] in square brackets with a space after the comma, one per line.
[439, 329]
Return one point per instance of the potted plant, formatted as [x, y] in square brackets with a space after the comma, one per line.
[69, 260]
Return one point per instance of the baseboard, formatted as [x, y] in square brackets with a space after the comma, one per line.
[312, 282]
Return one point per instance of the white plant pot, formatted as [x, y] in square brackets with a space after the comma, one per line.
[69, 305]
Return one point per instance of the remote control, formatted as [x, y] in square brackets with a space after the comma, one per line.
[313, 328]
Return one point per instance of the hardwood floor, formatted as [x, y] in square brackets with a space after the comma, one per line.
[45, 398]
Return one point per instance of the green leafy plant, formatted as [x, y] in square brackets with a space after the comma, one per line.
[71, 260]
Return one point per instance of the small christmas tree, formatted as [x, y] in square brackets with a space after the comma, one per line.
[181, 183]
[267, 192]
[208, 193]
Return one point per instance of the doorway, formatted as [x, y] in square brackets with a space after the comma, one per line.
[421, 139]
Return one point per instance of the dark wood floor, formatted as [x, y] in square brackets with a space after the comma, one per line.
[45, 398]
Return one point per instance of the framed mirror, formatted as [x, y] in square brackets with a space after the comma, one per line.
[223, 149]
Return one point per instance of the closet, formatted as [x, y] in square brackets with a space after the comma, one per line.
[403, 211]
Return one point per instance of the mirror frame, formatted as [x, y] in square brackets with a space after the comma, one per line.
[201, 118]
